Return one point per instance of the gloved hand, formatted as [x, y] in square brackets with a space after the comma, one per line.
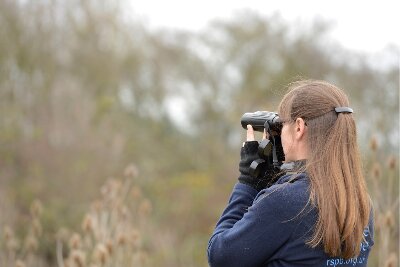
[248, 154]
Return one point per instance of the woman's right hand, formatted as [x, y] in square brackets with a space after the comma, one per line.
[250, 134]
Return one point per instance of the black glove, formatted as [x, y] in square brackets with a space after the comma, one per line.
[248, 154]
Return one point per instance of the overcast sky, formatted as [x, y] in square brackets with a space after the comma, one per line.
[365, 26]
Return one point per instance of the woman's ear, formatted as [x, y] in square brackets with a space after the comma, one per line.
[300, 128]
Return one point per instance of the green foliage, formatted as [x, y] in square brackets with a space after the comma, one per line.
[84, 92]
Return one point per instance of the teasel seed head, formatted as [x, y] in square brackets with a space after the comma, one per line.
[376, 171]
[8, 233]
[78, 257]
[87, 224]
[145, 207]
[373, 144]
[62, 234]
[392, 260]
[110, 247]
[101, 254]
[97, 206]
[135, 238]
[20, 263]
[131, 171]
[31, 244]
[124, 212]
[75, 241]
[36, 208]
[392, 162]
[122, 239]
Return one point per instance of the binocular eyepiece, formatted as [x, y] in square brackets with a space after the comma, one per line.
[270, 150]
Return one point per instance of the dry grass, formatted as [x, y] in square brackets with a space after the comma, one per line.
[118, 228]
[383, 180]
[111, 233]
[23, 252]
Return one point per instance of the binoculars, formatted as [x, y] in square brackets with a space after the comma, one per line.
[270, 150]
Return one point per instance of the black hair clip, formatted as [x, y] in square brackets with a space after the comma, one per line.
[343, 110]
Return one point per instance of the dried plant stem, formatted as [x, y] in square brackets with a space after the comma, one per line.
[60, 260]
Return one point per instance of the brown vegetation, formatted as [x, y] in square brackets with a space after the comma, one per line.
[84, 91]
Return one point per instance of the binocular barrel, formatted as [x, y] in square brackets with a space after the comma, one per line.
[261, 120]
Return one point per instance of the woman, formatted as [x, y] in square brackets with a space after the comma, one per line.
[319, 213]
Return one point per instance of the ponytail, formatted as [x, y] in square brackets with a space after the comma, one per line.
[338, 187]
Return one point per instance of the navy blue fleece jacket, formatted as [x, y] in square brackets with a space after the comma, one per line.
[271, 227]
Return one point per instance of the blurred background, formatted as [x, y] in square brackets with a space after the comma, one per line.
[119, 126]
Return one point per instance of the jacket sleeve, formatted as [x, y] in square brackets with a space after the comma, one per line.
[250, 234]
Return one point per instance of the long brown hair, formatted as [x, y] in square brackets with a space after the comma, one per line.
[337, 185]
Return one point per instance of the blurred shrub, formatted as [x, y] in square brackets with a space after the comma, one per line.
[84, 91]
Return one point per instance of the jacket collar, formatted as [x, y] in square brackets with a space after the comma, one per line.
[293, 170]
